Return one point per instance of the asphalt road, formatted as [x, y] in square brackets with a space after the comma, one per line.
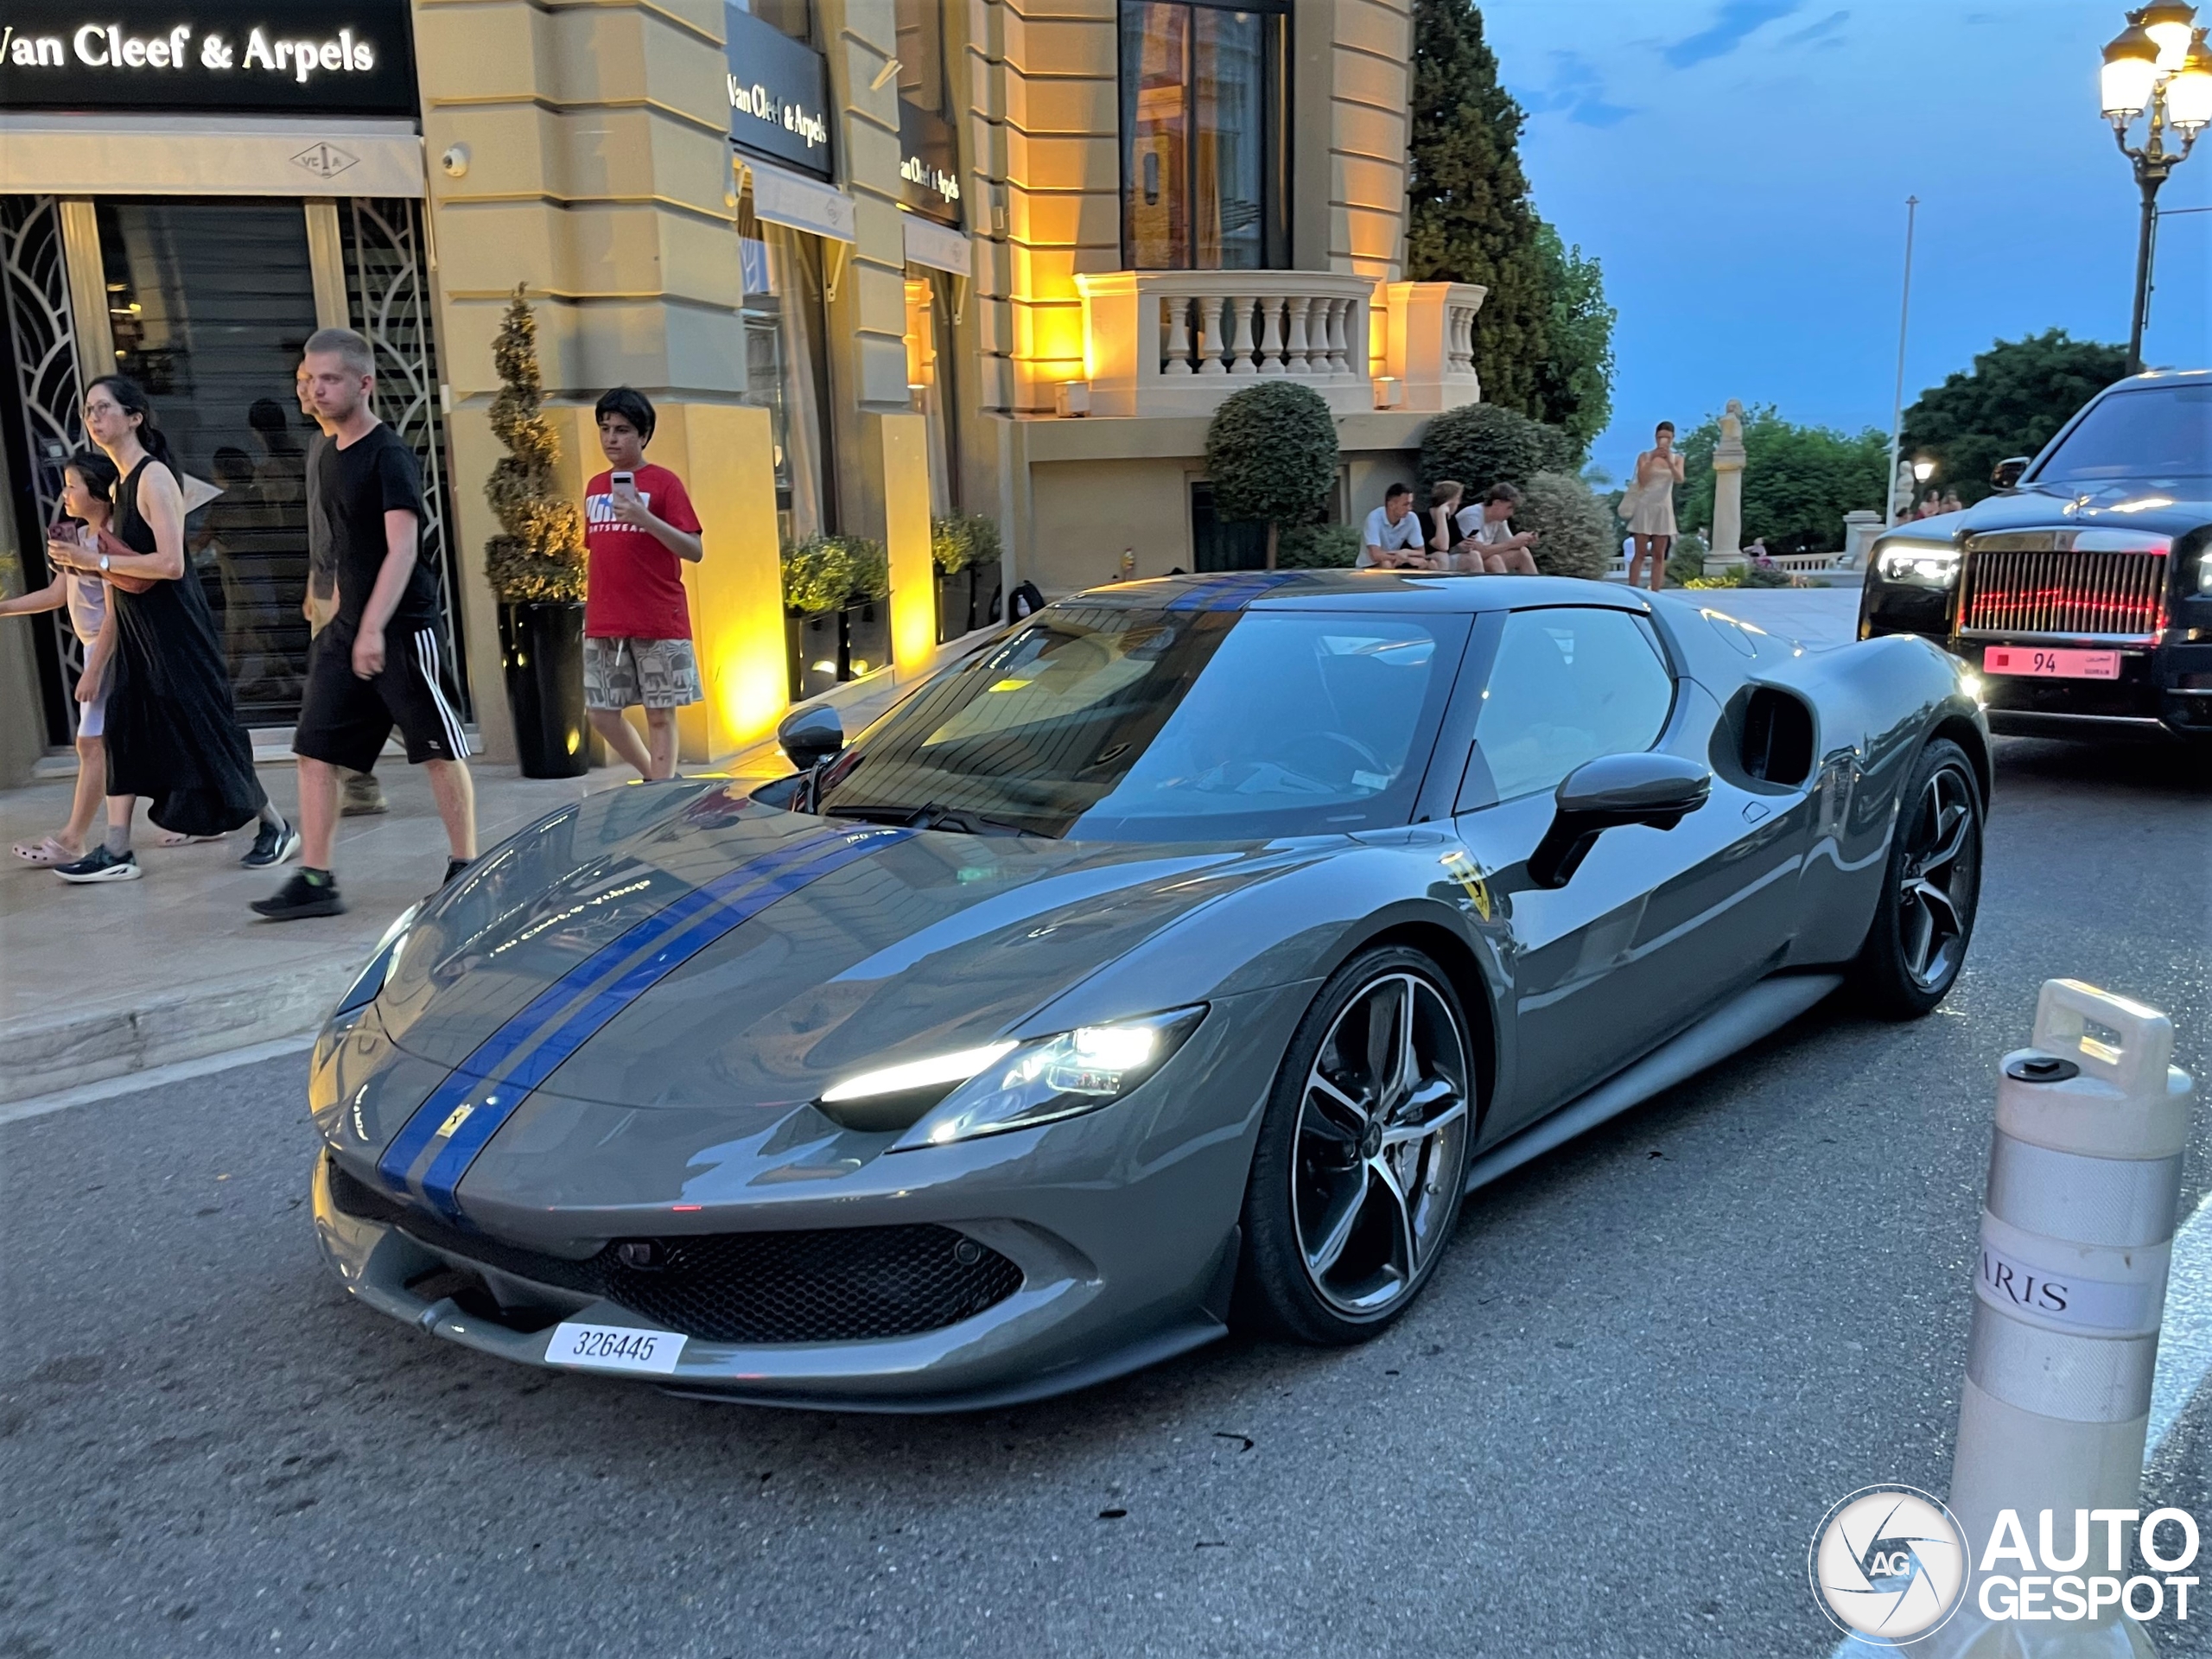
[1650, 1363]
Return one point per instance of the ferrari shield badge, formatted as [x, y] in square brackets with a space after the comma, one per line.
[1463, 869]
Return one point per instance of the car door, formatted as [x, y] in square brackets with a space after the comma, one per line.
[1656, 926]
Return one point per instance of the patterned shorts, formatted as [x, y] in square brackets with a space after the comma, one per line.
[623, 673]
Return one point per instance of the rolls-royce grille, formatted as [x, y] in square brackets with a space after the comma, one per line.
[842, 1284]
[2009, 592]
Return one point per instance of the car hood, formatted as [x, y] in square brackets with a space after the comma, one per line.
[2117, 504]
[733, 954]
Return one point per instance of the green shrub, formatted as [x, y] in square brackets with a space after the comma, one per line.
[1271, 454]
[1483, 444]
[828, 572]
[1317, 547]
[538, 555]
[1686, 559]
[963, 539]
[1577, 536]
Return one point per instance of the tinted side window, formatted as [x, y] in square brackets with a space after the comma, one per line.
[1569, 685]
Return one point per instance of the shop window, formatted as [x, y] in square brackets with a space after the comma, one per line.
[787, 366]
[792, 17]
[930, 380]
[1203, 151]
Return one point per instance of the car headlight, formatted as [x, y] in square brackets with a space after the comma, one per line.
[2205, 571]
[370, 980]
[1933, 564]
[1005, 1086]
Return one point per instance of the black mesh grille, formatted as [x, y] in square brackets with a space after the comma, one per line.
[840, 1284]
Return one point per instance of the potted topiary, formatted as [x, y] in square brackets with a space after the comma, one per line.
[867, 609]
[818, 581]
[965, 549]
[1271, 454]
[536, 564]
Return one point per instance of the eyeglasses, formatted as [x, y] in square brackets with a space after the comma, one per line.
[104, 409]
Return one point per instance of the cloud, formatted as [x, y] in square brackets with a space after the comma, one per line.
[1576, 91]
[1737, 20]
[1823, 31]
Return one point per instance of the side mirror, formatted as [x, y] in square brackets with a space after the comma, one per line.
[2006, 475]
[809, 736]
[1658, 790]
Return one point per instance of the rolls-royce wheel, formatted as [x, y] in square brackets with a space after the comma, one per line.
[1356, 1182]
[1925, 916]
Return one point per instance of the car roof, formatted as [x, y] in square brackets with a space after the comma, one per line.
[1380, 591]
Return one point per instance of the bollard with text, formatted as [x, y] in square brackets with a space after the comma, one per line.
[2070, 1287]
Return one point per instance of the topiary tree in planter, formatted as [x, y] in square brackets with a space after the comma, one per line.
[1271, 454]
[535, 564]
[965, 548]
[1483, 444]
[837, 625]
[1580, 534]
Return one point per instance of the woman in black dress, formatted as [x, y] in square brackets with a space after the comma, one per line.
[173, 734]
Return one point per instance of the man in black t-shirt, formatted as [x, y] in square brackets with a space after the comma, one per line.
[378, 664]
[359, 792]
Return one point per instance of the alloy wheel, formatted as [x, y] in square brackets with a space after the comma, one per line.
[1379, 1148]
[1935, 888]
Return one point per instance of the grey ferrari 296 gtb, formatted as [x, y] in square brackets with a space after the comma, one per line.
[1176, 961]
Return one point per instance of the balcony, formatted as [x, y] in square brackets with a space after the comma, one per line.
[1178, 342]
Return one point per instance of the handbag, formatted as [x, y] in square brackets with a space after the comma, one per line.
[104, 542]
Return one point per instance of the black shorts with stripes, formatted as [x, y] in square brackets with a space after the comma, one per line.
[344, 719]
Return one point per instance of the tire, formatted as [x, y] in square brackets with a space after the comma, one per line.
[1349, 1207]
[1930, 889]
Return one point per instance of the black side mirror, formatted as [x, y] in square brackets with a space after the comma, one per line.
[1658, 790]
[809, 736]
[2006, 475]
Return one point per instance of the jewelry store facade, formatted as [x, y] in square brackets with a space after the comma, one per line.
[875, 261]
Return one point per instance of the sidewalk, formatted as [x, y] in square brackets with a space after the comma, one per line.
[104, 981]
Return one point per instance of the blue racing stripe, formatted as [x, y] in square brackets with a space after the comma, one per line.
[475, 1131]
[476, 1074]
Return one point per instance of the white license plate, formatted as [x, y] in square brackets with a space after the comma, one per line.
[615, 1348]
[2046, 665]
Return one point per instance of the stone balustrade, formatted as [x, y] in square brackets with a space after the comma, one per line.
[1176, 343]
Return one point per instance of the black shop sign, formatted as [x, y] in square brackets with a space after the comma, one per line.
[309, 57]
[779, 95]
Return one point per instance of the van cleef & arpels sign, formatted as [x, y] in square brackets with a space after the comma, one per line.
[325, 57]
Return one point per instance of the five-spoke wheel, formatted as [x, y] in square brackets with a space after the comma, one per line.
[1918, 939]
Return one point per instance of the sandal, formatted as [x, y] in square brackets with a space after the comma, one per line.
[44, 855]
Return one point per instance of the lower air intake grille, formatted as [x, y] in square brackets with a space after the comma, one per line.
[842, 1284]
[2010, 591]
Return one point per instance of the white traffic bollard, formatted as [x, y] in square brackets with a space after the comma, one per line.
[2084, 1176]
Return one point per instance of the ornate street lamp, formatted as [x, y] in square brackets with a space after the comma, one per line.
[2159, 67]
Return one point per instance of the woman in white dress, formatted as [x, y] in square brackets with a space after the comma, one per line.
[1650, 505]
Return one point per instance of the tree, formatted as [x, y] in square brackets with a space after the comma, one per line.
[1798, 480]
[2013, 401]
[538, 554]
[1580, 532]
[1574, 381]
[1483, 444]
[1271, 454]
[1468, 215]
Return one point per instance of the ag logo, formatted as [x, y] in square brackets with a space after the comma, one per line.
[1888, 1564]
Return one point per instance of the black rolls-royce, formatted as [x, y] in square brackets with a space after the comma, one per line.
[2081, 591]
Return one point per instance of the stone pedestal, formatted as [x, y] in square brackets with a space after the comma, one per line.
[1860, 529]
[1726, 551]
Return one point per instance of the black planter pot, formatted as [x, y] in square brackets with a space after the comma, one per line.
[815, 642]
[987, 603]
[868, 638]
[956, 597]
[541, 649]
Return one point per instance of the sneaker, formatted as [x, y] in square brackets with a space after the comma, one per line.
[454, 868]
[273, 844]
[361, 796]
[100, 865]
[309, 893]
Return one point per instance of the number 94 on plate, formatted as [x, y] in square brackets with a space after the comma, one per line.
[615, 1348]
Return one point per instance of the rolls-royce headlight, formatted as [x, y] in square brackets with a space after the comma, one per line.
[1007, 1085]
[1929, 564]
[2205, 571]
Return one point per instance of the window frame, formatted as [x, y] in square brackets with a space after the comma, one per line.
[1478, 789]
[1275, 175]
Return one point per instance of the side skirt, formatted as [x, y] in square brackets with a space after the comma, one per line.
[1766, 1007]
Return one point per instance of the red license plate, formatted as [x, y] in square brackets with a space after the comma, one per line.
[2044, 663]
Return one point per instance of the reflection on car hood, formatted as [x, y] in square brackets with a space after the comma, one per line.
[731, 953]
[2100, 505]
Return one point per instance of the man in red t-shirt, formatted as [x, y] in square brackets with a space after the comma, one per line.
[638, 527]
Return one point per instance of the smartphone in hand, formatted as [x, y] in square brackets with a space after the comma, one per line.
[623, 487]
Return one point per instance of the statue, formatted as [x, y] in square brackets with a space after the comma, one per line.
[1726, 550]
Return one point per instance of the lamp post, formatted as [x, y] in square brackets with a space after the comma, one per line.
[2157, 67]
[1922, 470]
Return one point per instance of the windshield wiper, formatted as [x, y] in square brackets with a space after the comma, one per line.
[932, 816]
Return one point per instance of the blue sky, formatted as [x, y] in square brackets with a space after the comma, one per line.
[1740, 167]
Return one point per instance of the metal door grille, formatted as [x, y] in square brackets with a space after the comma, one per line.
[2115, 595]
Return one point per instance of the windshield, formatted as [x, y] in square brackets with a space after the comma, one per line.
[1100, 722]
[2150, 436]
